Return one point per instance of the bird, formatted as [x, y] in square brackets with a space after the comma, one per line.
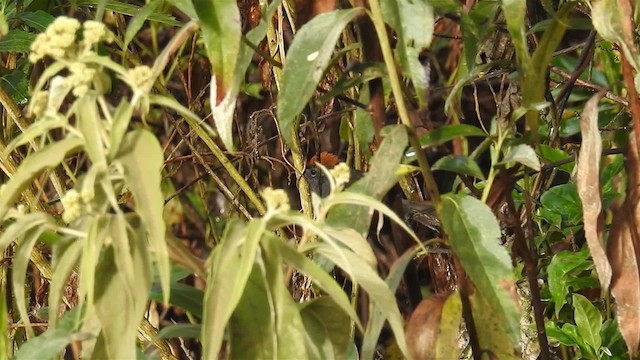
[421, 212]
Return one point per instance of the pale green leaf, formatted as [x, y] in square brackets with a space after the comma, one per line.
[414, 23]
[37, 129]
[307, 60]
[65, 255]
[231, 264]
[320, 278]
[46, 158]
[380, 295]
[89, 122]
[523, 154]
[142, 159]
[18, 273]
[136, 23]
[377, 320]
[376, 183]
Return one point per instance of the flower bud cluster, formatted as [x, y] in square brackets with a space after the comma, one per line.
[75, 204]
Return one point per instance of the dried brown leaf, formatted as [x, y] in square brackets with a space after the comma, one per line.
[422, 328]
[588, 179]
[624, 253]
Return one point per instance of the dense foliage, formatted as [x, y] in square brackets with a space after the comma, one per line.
[481, 159]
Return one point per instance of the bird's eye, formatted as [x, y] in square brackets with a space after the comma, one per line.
[313, 172]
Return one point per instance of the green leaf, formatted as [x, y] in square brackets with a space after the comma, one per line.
[447, 133]
[18, 273]
[589, 322]
[65, 256]
[4, 321]
[563, 200]
[524, 155]
[492, 333]
[46, 346]
[136, 23]
[558, 334]
[474, 234]
[16, 41]
[117, 339]
[37, 129]
[220, 23]
[375, 183]
[379, 292]
[46, 158]
[609, 21]
[223, 111]
[515, 12]
[128, 9]
[39, 20]
[182, 295]
[563, 266]
[186, 6]
[320, 278]
[553, 155]
[142, 158]
[231, 265]
[376, 322]
[307, 59]
[414, 23]
[327, 332]
[89, 123]
[459, 164]
[185, 331]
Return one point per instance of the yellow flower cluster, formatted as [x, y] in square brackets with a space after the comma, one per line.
[277, 200]
[75, 204]
[341, 173]
[56, 41]
[59, 40]
[140, 78]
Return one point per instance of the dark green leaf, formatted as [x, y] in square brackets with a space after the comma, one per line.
[459, 164]
[563, 200]
[181, 295]
[16, 41]
[39, 20]
[185, 331]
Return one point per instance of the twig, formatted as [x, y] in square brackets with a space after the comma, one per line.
[590, 86]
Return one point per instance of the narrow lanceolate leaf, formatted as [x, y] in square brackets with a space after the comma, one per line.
[375, 183]
[222, 33]
[220, 23]
[223, 110]
[231, 264]
[307, 60]
[142, 158]
[622, 249]
[48, 157]
[588, 181]
[413, 22]
[474, 234]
